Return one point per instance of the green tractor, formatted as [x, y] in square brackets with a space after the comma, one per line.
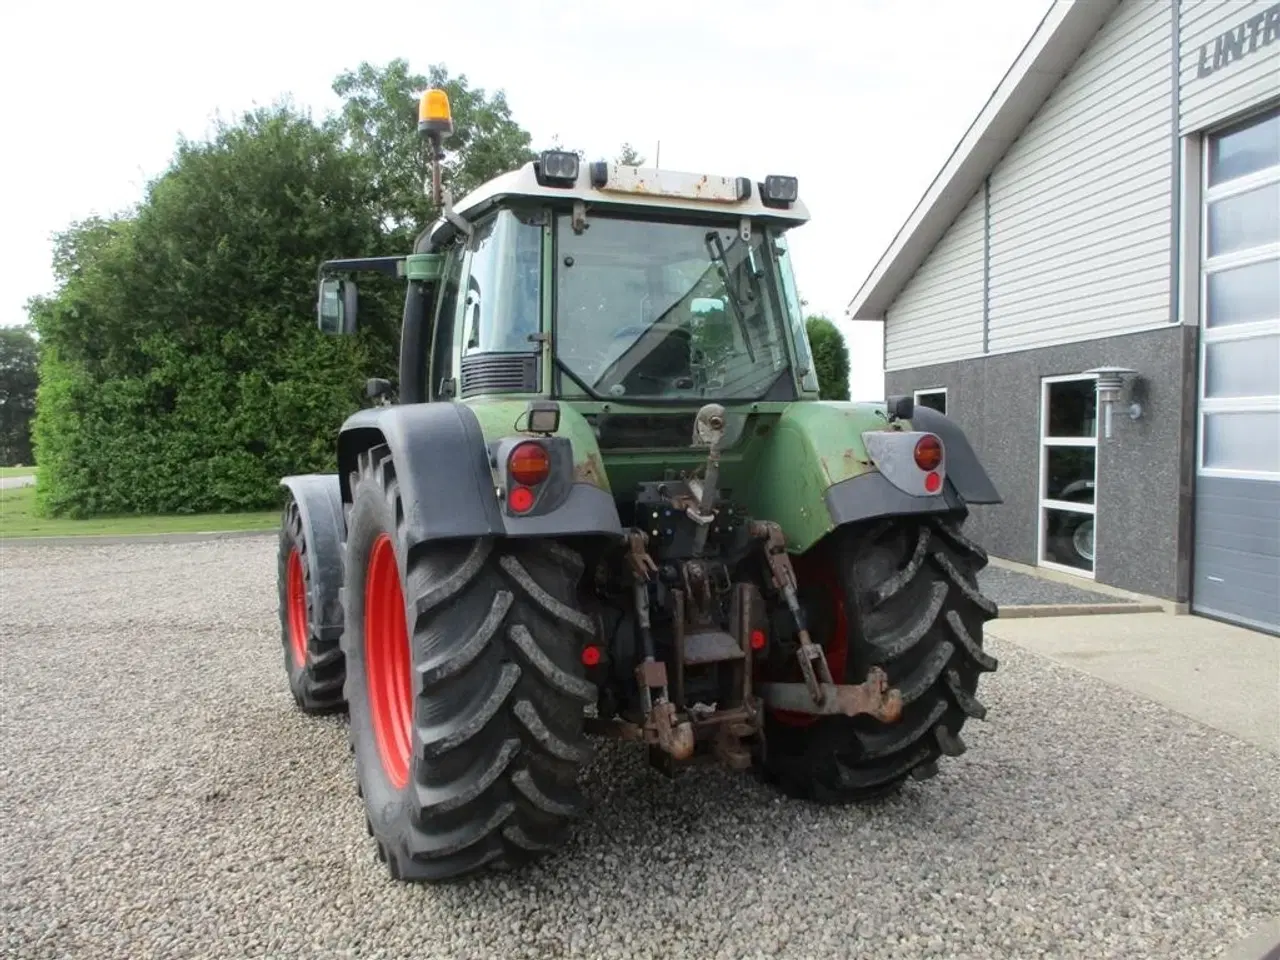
[605, 500]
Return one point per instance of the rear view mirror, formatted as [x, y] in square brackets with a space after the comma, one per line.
[336, 306]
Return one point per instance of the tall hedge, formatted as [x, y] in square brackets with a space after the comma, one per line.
[181, 370]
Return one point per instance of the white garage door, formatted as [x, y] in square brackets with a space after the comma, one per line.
[1237, 539]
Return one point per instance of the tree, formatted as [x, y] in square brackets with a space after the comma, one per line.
[830, 358]
[629, 156]
[18, 381]
[378, 121]
[182, 373]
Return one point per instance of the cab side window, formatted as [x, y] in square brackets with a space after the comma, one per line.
[503, 295]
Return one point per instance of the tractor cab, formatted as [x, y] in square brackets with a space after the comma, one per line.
[601, 282]
[615, 283]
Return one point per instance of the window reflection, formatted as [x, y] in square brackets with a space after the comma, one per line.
[1069, 473]
[1240, 152]
[1073, 409]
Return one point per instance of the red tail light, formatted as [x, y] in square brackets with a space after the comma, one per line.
[529, 464]
[928, 453]
[520, 499]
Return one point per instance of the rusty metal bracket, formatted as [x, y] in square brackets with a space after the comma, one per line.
[813, 662]
[873, 697]
[660, 725]
[708, 431]
[642, 564]
[673, 738]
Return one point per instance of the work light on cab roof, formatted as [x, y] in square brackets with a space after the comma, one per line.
[561, 168]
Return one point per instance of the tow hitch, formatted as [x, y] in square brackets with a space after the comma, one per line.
[819, 694]
[873, 697]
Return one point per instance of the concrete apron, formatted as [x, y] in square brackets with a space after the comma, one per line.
[1262, 945]
[1221, 675]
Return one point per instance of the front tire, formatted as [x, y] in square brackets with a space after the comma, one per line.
[312, 655]
[465, 686]
[901, 594]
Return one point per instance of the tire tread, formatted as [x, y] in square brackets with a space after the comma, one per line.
[317, 687]
[915, 610]
[500, 691]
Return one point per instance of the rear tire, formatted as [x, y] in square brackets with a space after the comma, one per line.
[312, 656]
[466, 689]
[907, 589]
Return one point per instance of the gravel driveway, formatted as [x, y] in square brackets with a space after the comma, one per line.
[1012, 588]
[162, 798]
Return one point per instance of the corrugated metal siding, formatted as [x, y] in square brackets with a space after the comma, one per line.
[938, 315]
[1081, 204]
[1239, 85]
[1238, 551]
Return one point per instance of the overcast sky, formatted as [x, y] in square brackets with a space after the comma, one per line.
[862, 100]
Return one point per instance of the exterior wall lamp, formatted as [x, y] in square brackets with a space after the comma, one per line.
[1109, 381]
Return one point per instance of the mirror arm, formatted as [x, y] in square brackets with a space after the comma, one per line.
[391, 266]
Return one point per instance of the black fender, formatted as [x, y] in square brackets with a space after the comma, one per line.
[442, 465]
[871, 495]
[319, 500]
[964, 471]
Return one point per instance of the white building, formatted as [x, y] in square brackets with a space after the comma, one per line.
[1115, 204]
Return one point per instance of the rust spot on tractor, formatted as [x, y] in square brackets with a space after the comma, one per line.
[590, 470]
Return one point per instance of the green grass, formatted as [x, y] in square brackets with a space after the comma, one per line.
[18, 519]
[17, 471]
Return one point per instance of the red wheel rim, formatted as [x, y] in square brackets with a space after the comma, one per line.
[827, 607]
[387, 663]
[297, 592]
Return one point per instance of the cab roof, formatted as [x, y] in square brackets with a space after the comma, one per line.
[620, 187]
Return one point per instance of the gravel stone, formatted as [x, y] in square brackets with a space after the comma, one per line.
[1009, 588]
[163, 798]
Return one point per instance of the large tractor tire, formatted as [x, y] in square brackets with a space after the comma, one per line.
[900, 594]
[312, 654]
[465, 687]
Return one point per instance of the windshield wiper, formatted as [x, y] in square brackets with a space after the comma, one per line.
[715, 247]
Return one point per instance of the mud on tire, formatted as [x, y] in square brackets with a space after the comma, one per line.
[312, 656]
[911, 605]
[485, 771]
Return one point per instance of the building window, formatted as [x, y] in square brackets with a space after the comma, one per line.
[1068, 473]
[935, 398]
[1239, 432]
